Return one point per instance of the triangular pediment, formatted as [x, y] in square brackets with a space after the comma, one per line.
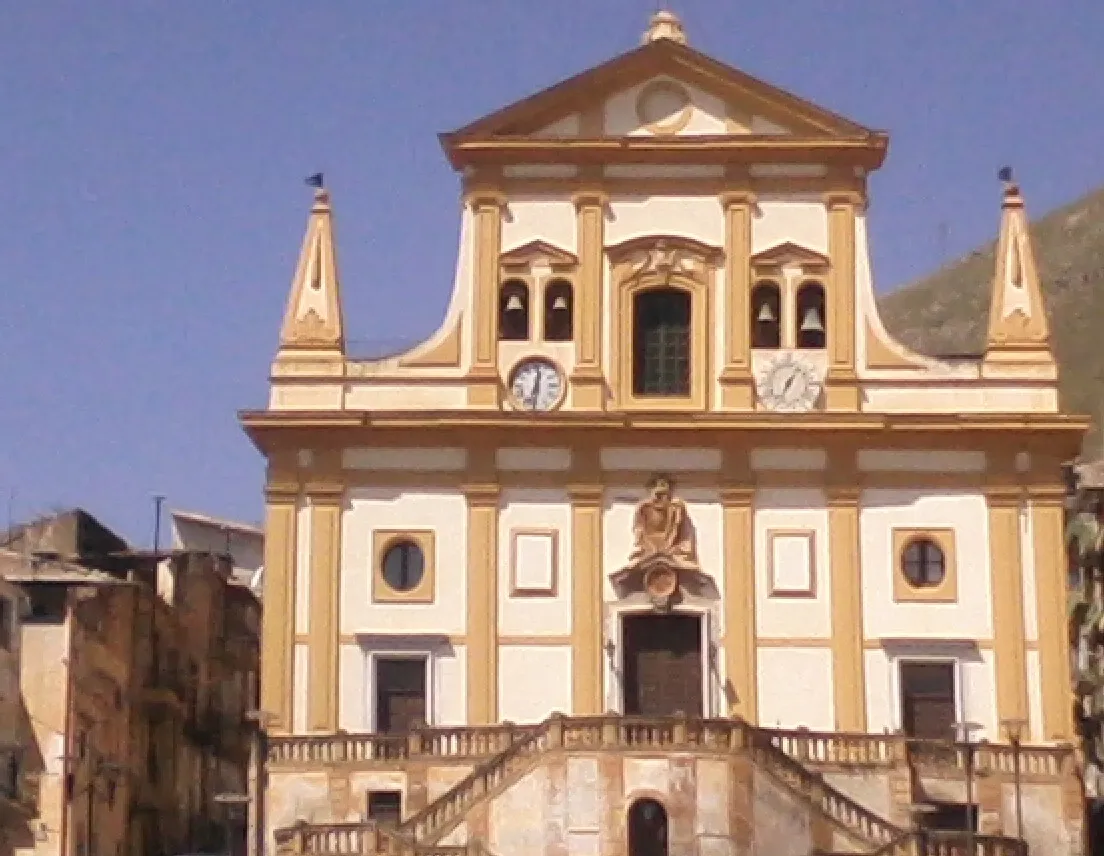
[538, 252]
[789, 253]
[662, 87]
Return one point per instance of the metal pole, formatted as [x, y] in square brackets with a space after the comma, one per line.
[1019, 789]
[969, 796]
[158, 501]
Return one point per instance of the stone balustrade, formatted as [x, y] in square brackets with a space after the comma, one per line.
[824, 749]
[458, 744]
[505, 753]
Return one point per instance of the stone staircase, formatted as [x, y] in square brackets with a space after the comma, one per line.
[773, 753]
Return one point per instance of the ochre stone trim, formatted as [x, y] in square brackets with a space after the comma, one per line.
[1006, 581]
[1051, 598]
[325, 599]
[482, 622]
[278, 618]
[382, 541]
[845, 573]
[840, 299]
[487, 207]
[945, 591]
[741, 669]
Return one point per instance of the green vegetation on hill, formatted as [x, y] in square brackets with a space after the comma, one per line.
[947, 313]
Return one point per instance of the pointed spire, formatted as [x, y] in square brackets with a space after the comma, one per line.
[313, 317]
[1018, 328]
[665, 25]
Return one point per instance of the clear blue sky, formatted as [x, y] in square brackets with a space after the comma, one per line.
[152, 201]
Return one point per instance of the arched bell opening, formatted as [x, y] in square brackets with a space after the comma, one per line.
[766, 316]
[513, 311]
[812, 332]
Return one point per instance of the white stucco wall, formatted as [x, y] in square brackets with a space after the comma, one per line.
[534, 614]
[445, 512]
[795, 688]
[781, 219]
[549, 218]
[533, 681]
[970, 617]
[792, 510]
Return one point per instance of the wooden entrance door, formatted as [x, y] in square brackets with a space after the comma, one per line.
[662, 665]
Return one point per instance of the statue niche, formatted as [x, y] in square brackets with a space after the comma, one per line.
[664, 559]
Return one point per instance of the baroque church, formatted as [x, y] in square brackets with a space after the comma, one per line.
[660, 543]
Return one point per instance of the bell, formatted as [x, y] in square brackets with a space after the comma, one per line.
[811, 323]
[513, 303]
[766, 313]
[559, 303]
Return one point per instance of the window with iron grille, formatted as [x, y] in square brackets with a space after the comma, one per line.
[661, 343]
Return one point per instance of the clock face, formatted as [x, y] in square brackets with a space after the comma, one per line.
[789, 385]
[537, 385]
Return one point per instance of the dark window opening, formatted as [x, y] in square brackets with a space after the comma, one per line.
[923, 563]
[766, 316]
[48, 602]
[513, 311]
[7, 624]
[661, 342]
[385, 807]
[403, 566]
[811, 325]
[928, 700]
[949, 817]
[559, 307]
[647, 828]
[400, 694]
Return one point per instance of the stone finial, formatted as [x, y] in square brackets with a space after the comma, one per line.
[1019, 334]
[665, 25]
[313, 319]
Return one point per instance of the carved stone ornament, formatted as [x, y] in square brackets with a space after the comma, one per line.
[664, 557]
[663, 260]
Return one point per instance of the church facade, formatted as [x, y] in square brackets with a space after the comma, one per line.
[661, 540]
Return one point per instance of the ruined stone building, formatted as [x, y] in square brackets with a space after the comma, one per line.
[661, 544]
[138, 672]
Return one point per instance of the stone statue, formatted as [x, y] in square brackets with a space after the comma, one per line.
[662, 529]
[663, 557]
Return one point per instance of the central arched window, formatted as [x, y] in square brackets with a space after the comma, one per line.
[661, 342]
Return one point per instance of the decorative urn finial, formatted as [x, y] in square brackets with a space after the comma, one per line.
[665, 25]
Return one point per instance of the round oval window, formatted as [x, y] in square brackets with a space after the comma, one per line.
[403, 565]
[923, 563]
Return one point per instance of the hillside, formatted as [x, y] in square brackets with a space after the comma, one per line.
[947, 312]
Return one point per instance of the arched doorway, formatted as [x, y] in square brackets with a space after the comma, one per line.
[647, 828]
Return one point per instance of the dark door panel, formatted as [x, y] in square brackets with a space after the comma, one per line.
[662, 665]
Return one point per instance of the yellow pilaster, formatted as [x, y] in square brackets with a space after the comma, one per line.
[1007, 596]
[1051, 593]
[737, 388]
[848, 673]
[278, 620]
[482, 629]
[842, 392]
[740, 646]
[587, 384]
[586, 596]
[483, 386]
[325, 589]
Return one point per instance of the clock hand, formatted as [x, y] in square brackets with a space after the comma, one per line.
[536, 390]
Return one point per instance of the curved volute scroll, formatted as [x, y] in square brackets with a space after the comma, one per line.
[663, 564]
[313, 320]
